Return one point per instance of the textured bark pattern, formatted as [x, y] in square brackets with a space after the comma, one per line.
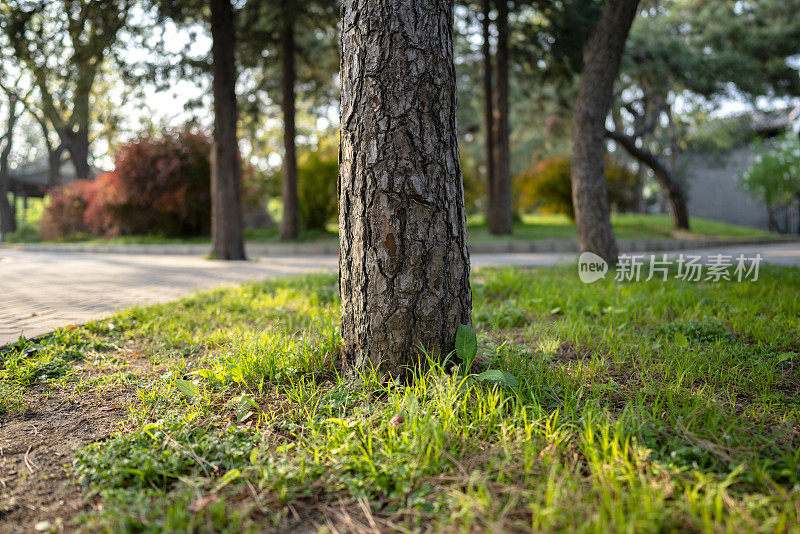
[500, 216]
[404, 264]
[601, 60]
[289, 229]
[227, 241]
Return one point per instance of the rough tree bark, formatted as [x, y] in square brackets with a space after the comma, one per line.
[500, 211]
[289, 223]
[601, 60]
[8, 220]
[227, 241]
[404, 264]
[78, 148]
[675, 196]
[488, 107]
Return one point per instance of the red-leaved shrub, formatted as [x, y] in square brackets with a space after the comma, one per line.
[160, 185]
[63, 215]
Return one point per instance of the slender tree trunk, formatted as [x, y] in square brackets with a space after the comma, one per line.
[488, 108]
[601, 58]
[289, 223]
[670, 186]
[53, 155]
[54, 164]
[502, 217]
[227, 241]
[8, 220]
[404, 264]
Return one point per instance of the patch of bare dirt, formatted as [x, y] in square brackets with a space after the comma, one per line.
[36, 451]
[567, 352]
[37, 447]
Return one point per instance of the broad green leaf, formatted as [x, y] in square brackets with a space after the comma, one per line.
[187, 388]
[466, 342]
[681, 341]
[498, 376]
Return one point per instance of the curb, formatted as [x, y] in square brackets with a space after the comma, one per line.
[324, 249]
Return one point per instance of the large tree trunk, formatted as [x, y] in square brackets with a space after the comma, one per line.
[227, 241]
[289, 224]
[675, 196]
[78, 136]
[404, 264]
[501, 217]
[8, 220]
[79, 154]
[488, 108]
[601, 58]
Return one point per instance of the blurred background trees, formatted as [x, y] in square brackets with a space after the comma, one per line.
[84, 82]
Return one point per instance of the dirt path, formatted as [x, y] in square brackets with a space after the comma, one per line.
[36, 450]
[38, 443]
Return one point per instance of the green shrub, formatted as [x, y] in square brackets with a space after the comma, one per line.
[26, 233]
[317, 176]
[774, 176]
[546, 187]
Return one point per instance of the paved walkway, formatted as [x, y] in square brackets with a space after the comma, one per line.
[41, 291]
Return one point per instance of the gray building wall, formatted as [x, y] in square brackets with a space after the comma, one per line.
[712, 184]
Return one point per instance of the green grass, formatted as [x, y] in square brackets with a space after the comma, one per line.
[529, 228]
[643, 406]
[626, 226]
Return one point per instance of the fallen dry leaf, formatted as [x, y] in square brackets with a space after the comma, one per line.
[397, 420]
[203, 502]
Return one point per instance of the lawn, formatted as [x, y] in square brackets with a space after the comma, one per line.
[529, 228]
[643, 406]
[626, 226]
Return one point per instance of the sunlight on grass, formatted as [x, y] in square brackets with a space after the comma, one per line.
[642, 406]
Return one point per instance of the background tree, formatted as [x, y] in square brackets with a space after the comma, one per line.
[488, 108]
[404, 264]
[774, 176]
[602, 56]
[302, 36]
[8, 222]
[699, 52]
[500, 212]
[63, 46]
[227, 234]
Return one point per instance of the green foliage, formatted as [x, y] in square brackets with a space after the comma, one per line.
[774, 176]
[707, 47]
[26, 362]
[26, 233]
[547, 187]
[466, 345]
[703, 331]
[11, 396]
[473, 185]
[669, 389]
[702, 133]
[317, 176]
